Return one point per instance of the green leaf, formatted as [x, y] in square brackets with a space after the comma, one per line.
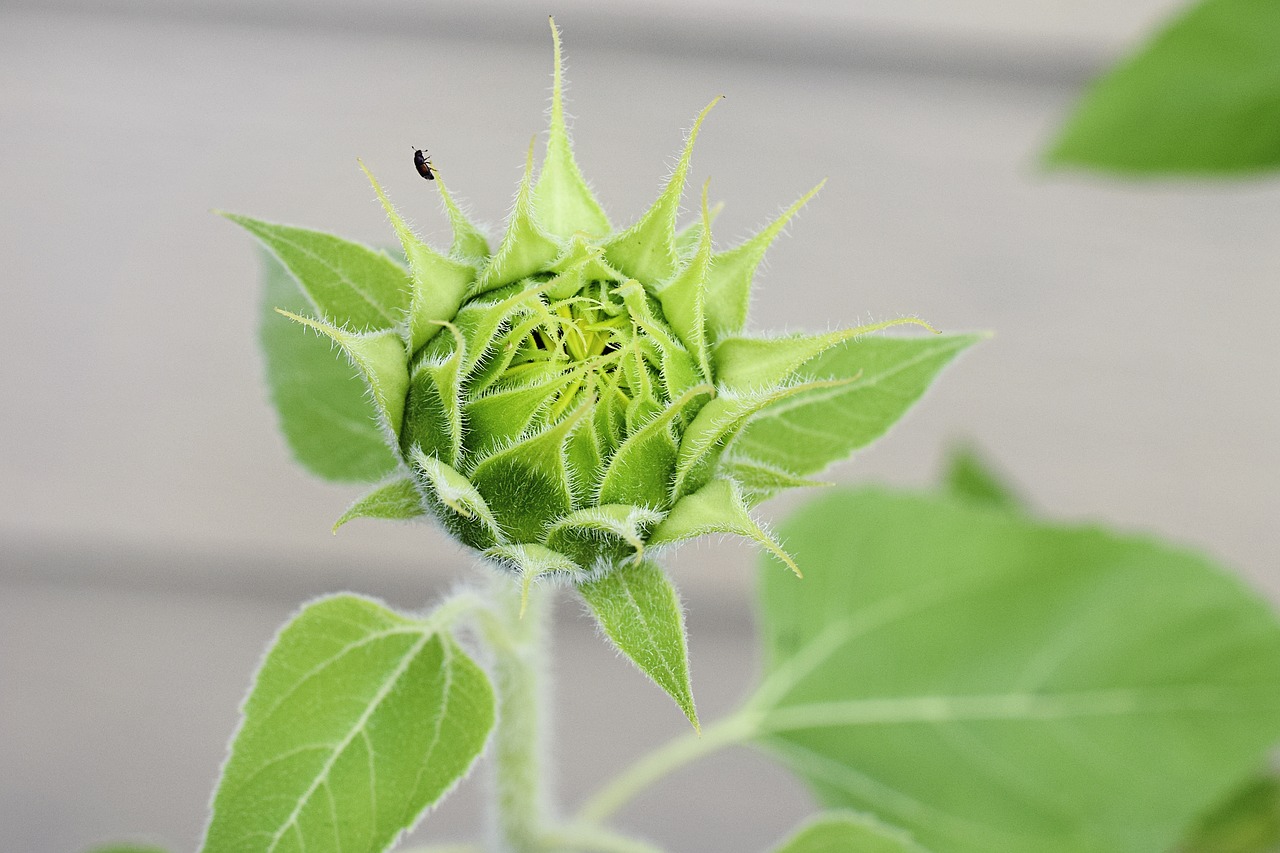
[751, 364]
[396, 500]
[350, 284]
[969, 476]
[563, 201]
[1247, 822]
[647, 250]
[806, 433]
[1202, 96]
[326, 415]
[358, 720]
[380, 357]
[848, 832]
[638, 609]
[993, 683]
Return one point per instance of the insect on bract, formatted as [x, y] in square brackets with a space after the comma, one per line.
[423, 164]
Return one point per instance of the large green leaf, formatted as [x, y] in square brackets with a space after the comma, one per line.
[351, 285]
[326, 412]
[968, 475]
[806, 433]
[358, 720]
[993, 683]
[640, 612]
[1247, 822]
[848, 832]
[1202, 96]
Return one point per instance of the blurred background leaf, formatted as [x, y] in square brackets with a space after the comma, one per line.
[990, 682]
[1201, 97]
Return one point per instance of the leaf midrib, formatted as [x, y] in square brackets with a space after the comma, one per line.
[1005, 706]
[356, 729]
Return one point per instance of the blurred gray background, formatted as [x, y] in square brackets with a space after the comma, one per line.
[154, 532]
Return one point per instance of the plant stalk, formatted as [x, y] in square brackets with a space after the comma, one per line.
[520, 801]
[664, 760]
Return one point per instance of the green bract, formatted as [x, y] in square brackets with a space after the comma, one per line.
[573, 398]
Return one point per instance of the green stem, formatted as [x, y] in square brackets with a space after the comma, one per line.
[520, 795]
[667, 758]
[593, 839]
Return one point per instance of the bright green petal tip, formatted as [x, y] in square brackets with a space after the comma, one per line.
[469, 241]
[732, 272]
[564, 202]
[526, 247]
[439, 283]
[647, 250]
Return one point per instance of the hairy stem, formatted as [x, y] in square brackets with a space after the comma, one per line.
[594, 839]
[520, 791]
[664, 760]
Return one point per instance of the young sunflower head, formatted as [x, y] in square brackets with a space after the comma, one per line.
[576, 396]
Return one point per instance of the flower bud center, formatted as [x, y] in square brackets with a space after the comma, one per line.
[591, 335]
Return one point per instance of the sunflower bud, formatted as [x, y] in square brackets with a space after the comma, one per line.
[581, 394]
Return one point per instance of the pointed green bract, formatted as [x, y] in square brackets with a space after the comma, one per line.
[358, 720]
[500, 418]
[531, 562]
[641, 469]
[529, 480]
[564, 202]
[380, 358]
[350, 284]
[462, 509]
[719, 422]
[729, 279]
[647, 250]
[639, 611]
[396, 500]
[325, 412]
[848, 832]
[589, 533]
[808, 432]
[526, 247]
[717, 507]
[684, 299]
[752, 364]
[990, 682]
[439, 283]
[690, 237]
[469, 242]
[759, 481]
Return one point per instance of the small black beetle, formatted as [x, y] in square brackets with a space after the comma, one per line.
[423, 164]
